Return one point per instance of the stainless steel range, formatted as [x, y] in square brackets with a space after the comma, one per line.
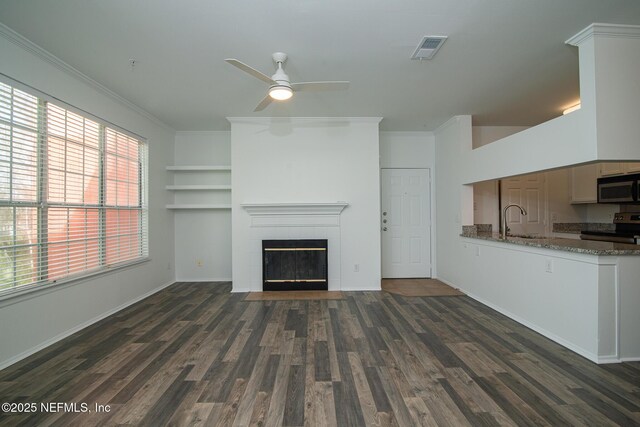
[627, 230]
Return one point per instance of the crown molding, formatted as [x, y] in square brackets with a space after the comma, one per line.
[201, 132]
[26, 44]
[269, 120]
[605, 30]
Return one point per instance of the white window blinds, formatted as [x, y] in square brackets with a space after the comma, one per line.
[72, 199]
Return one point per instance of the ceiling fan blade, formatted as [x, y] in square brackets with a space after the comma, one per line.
[319, 86]
[264, 103]
[249, 70]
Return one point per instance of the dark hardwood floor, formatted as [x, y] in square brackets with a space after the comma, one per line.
[195, 354]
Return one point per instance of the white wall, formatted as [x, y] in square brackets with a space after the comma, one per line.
[483, 135]
[309, 160]
[32, 321]
[450, 140]
[407, 150]
[203, 237]
[617, 61]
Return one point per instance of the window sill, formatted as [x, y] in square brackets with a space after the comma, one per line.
[12, 296]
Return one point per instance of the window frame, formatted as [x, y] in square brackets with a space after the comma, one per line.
[43, 205]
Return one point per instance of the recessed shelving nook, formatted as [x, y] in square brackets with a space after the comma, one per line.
[200, 187]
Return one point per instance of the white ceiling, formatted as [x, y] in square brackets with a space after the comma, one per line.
[505, 61]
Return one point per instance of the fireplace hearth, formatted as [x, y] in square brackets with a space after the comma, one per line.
[294, 265]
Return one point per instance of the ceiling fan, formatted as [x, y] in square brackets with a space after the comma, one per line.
[281, 88]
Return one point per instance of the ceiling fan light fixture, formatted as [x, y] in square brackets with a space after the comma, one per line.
[280, 92]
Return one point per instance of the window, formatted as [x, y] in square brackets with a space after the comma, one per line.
[72, 195]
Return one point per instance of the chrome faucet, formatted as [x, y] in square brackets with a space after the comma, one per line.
[504, 217]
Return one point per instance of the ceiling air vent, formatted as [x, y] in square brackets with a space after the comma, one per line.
[428, 47]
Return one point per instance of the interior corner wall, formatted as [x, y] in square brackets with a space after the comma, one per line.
[451, 140]
[203, 237]
[309, 160]
[35, 320]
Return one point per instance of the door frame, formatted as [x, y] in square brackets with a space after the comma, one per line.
[432, 215]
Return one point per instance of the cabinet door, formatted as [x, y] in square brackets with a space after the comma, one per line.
[633, 167]
[611, 168]
[584, 183]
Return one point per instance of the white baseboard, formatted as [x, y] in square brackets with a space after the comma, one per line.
[68, 332]
[446, 282]
[347, 289]
[553, 337]
[602, 360]
[201, 280]
[571, 346]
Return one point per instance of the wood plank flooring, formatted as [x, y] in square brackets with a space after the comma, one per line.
[293, 295]
[196, 354]
[419, 288]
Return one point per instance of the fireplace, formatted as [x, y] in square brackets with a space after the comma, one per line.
[294, 265]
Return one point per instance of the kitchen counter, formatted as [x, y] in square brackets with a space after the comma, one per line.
[589, 247]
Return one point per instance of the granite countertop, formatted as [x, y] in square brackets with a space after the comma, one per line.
[589, 247]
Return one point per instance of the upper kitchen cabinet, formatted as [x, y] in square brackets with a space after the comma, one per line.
[619, 168]
[632, 167]
[584, 180]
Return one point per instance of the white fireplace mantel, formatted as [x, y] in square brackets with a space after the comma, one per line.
[257, 209]
[295, 214]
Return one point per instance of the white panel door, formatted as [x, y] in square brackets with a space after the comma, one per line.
[530, 192]
[406, 223]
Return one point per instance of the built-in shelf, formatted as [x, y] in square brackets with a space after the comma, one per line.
[198, 168]
[191, 206]
[198, 187]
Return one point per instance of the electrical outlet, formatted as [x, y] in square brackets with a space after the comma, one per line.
[548, 265]
[554, 217]
[199, 262]
[477, 250]
[356, 268]
[169, 266]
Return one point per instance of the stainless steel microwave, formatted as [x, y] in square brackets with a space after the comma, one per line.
[619, 189]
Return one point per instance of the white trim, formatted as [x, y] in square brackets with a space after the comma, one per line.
[367, 289]
[603, 360]
[295, 120]
[39, 52]
[6, 363]
[201, 280]
[183, 207]
[452, 121]
[256, 209]
[198, 168]
[606, 30]
[197, 187]
[201, 132]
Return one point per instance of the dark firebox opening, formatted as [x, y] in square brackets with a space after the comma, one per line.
[294, 265]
